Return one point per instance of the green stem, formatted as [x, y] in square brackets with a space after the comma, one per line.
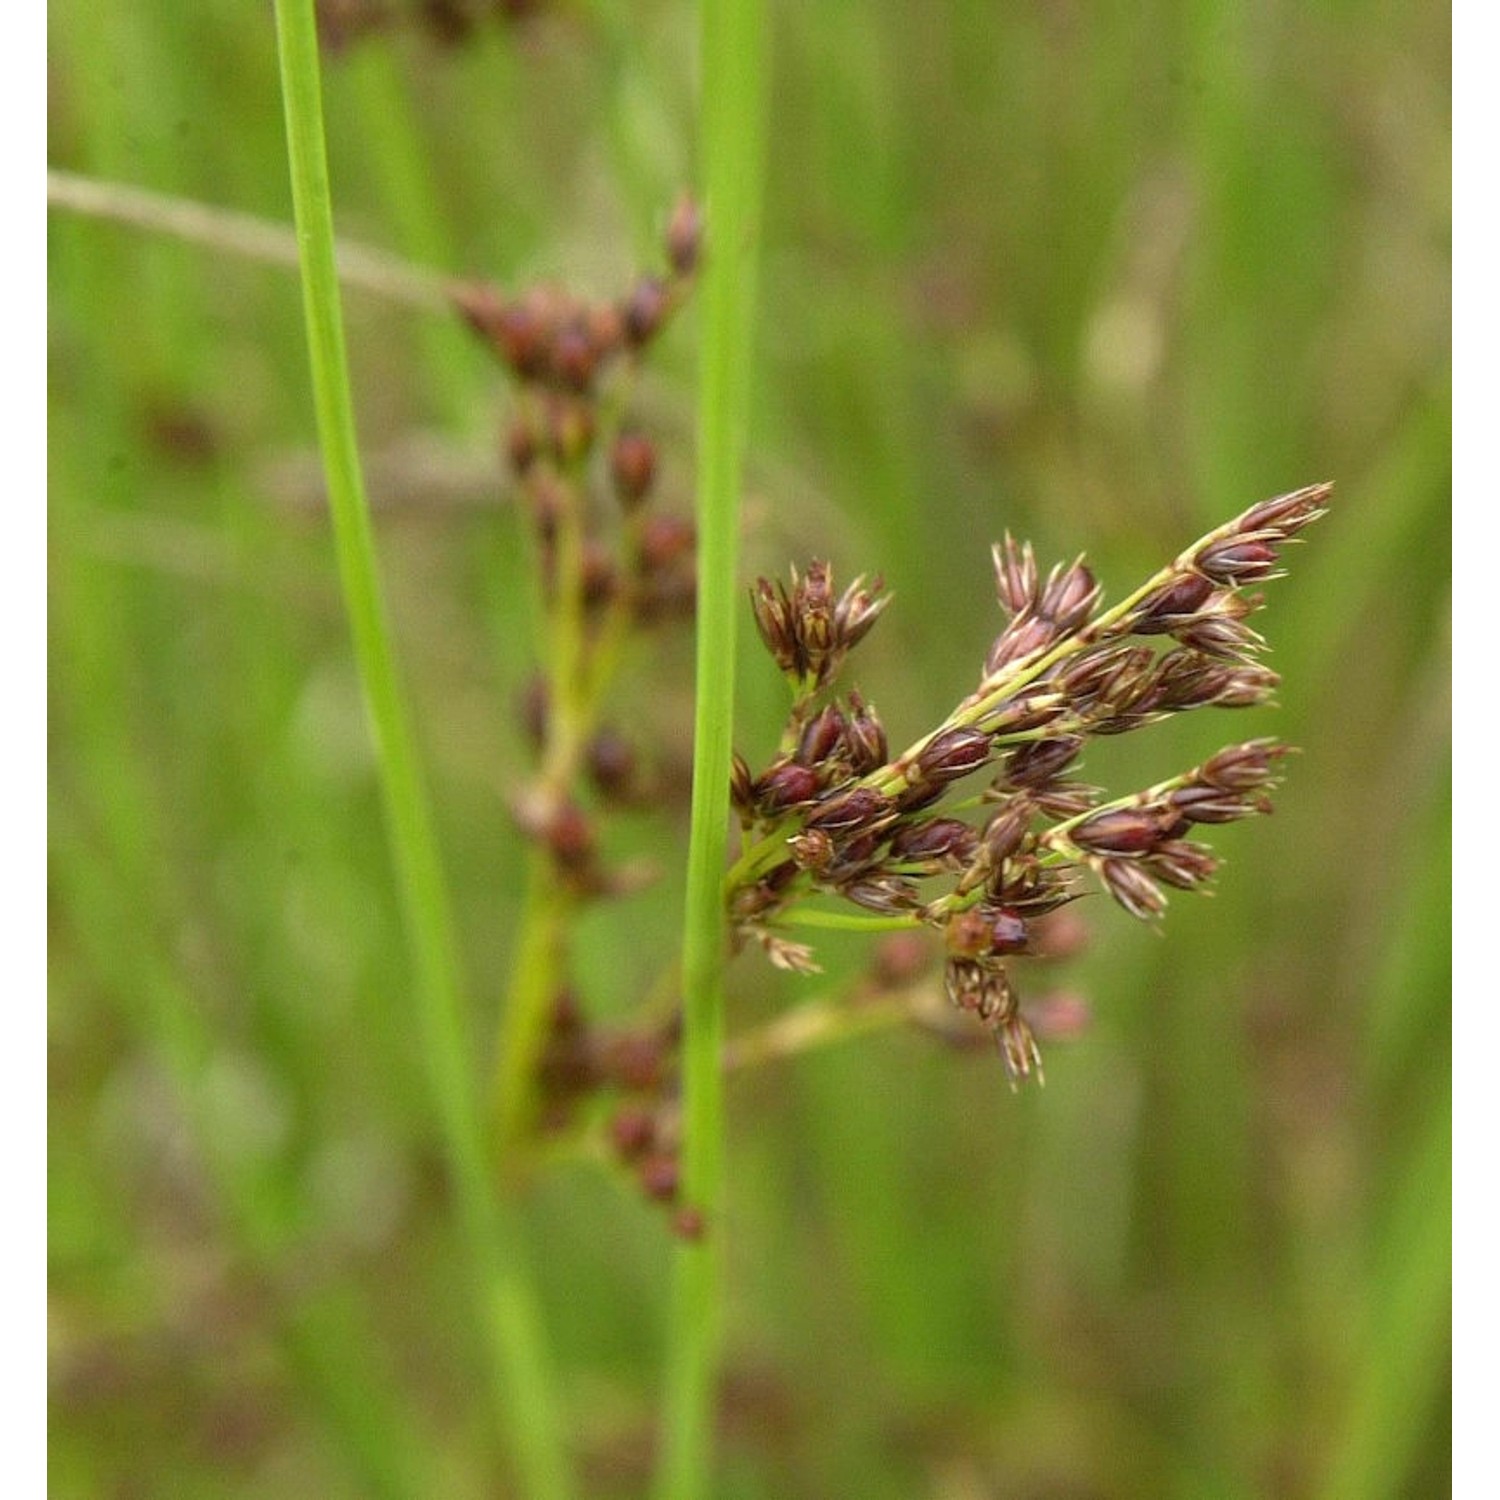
[733, 40]
[848, 921]
[511, 1322]
[536, 972]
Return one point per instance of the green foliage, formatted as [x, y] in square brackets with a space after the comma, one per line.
[1101, 276]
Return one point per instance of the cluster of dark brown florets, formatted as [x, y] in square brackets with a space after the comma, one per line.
[613, 564]
[834, 814]
[635, 1068]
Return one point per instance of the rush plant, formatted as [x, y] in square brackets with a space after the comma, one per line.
[980, 832]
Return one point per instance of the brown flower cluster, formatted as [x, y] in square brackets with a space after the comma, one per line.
[613, 565]
[611, 562]
[835, 814]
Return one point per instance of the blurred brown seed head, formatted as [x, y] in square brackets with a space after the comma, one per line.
[645, 310]
[632, 464]
[685, 236]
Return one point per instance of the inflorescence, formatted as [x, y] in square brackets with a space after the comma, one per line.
[835, 814]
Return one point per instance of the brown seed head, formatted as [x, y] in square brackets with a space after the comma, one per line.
[574, 358]
[1069, 597]
[1243, 768]
[1005, 832]
[689, 1224]
[1235, 560]
[945, 841]
[1126, 830]
[665, 541]
[888, 895]
[570, 835]
[865, 737]
[1171, 604]
[950, 755]
[1181, 863]
[645, 310]
[1042, 761]
[860, 810]
[685, 236]
[612, 763]
[1018, 1049]
[1132, 887]
[812, 849]
[1015, 575]
[632, 1130]
[822, 736]
[1207, 804]
[659, 1176]
[785, 786]
[1286, 515]
[741, 785]
[1027, 635]
[632, 466]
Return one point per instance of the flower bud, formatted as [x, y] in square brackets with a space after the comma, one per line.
[1135, 890]
[1181, 863]
[1287, 514]
[865, 736]
[1041, 761]
[612, 763]
[861, 809]
[1015, 575]
[1159, 612]
[821, 736]
[1233, 561]
[574, 358]
[1069, 597]
[1207, 804]
[665, 541]
[685, 236]
[949, 840]
[1241, 768]
[632, 466]
[885, 894]
[659, 1176]
[952, 754]
[785, 786]
[632, 1130]
[645, 310]
[1126, 830]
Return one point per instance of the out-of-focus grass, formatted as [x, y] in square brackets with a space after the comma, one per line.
[1101, 275]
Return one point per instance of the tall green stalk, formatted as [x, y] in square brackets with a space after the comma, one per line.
[733, 50]
[511, 1323]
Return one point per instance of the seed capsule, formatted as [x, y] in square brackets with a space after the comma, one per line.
[860, 809]
[785, 786]
[632, 465]
[645, 310]
[1236, 561]
[685, 236]
[1135, 890]
[952, 754]
[1171, 603]
[1126, 830]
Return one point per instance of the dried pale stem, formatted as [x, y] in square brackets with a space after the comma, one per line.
[359, 267]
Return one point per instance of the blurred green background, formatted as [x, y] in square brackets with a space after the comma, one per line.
[1100, 274]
